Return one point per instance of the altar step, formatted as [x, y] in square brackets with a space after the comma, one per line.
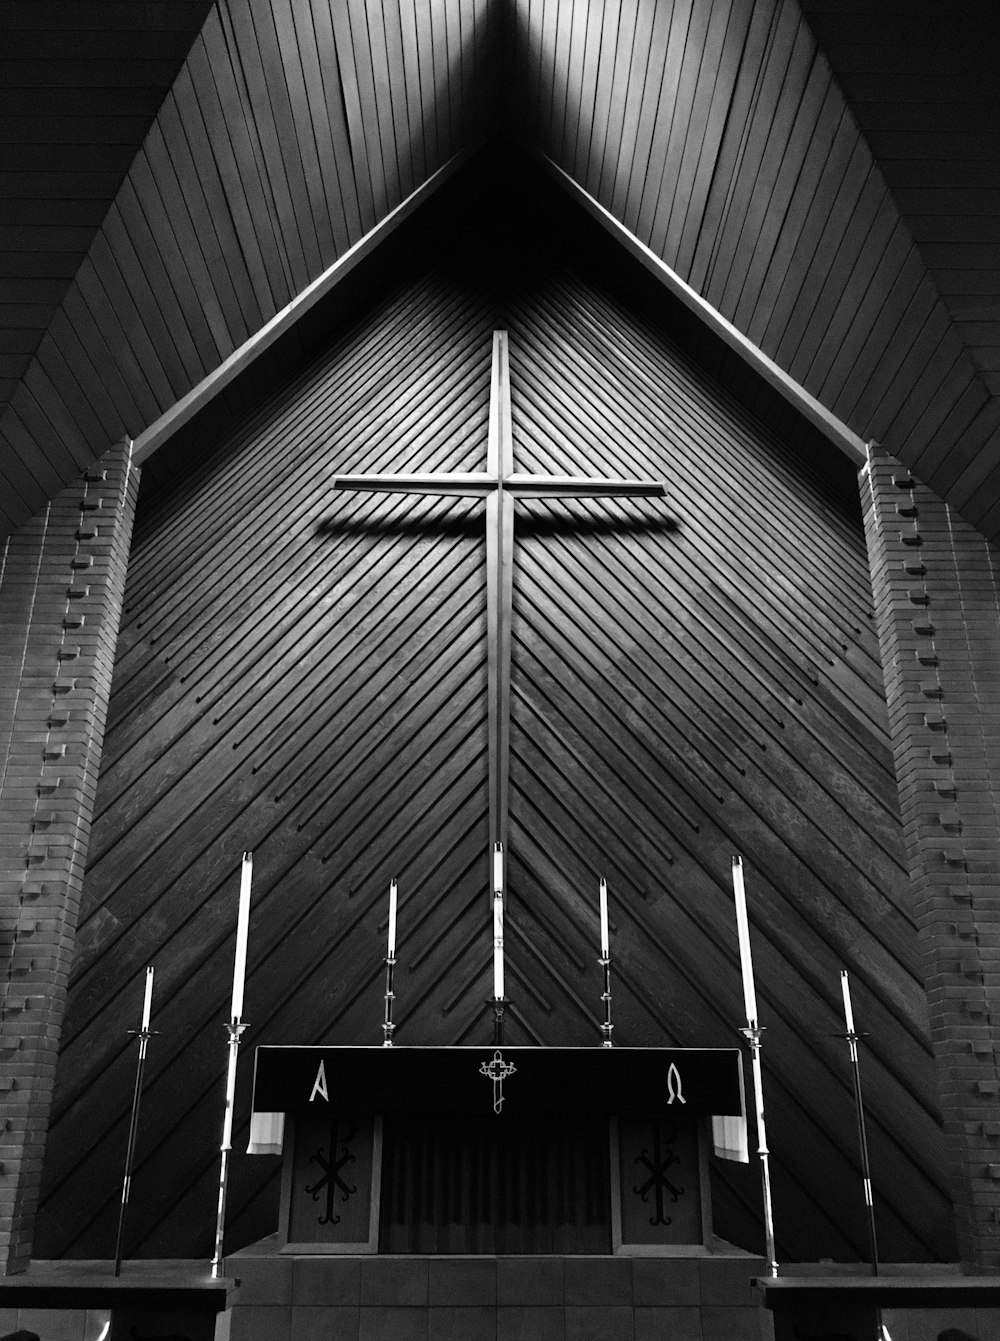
[276, 1297]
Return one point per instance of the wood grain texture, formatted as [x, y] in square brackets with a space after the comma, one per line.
[283, 132]
[303, 673]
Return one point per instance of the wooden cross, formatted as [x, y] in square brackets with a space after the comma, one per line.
[500, 485]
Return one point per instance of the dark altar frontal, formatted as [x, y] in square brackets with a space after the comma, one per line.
[480, 1150]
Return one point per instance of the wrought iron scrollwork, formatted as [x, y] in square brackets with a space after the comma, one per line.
[656, 1163]
[331, 1180]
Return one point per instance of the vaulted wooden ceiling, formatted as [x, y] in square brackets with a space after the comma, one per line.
[834, 198]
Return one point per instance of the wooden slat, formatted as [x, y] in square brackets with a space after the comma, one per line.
[704, 75]
[687, 34]
[632, 164]
[789, 144]
[385, 25]
[417, 97]
[255, 106]
[322, 91]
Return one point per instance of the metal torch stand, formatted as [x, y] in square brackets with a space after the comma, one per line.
[235, 1029]
[607, 1026]
[499, 1004]
[390, 996]
[143, 1036]
[753, 1036]
[852, 1039]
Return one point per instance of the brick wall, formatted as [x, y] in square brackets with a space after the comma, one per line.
[61, 582]
[938, 615]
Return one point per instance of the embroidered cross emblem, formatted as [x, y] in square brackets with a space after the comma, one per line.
[330, 1179]
[497, 1070]
[658, 1183]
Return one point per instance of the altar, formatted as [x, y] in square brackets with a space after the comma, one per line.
[487, 1150]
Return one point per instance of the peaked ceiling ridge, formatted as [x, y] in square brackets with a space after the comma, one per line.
[716, 135]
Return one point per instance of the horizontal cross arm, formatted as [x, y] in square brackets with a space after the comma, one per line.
[574, 486]
[464, 484]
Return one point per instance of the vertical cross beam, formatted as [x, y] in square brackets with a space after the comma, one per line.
[500, 485]
[499, 591]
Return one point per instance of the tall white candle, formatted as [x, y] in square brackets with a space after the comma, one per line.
[391, 952]
[845, 987]
[147, 1005]
[498, 868]
[242, 931]
[604, 919]
[743, 931]
[498, 948]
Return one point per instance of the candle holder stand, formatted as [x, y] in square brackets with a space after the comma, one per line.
[499, 1004]
[753, 1034]
[235, 1029]
[143, 1035]
[387, 1025]
[607, 1026]
[852, 1040]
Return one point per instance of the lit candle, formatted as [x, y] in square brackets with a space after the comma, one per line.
[845, 987]
[498, 868]
[743, 931]
[498, 948]
[391, 952]
[147, 1005]
[604, 919]
[242, 931]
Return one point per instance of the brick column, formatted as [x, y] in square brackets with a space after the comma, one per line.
[61, 582]
[937, 609]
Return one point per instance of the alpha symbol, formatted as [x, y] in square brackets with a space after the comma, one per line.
[497, 1070]
[319, 1085]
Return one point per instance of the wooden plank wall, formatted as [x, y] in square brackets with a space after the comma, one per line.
[291, 129]
[303, 673]
[716, 132]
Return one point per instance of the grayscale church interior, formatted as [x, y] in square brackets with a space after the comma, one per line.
[499, 670]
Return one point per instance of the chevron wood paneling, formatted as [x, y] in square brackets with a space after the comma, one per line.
[303, 673]
[290, 130]
[718, 134]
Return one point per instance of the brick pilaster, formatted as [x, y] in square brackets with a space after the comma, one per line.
[62, 577]
[937, 609]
